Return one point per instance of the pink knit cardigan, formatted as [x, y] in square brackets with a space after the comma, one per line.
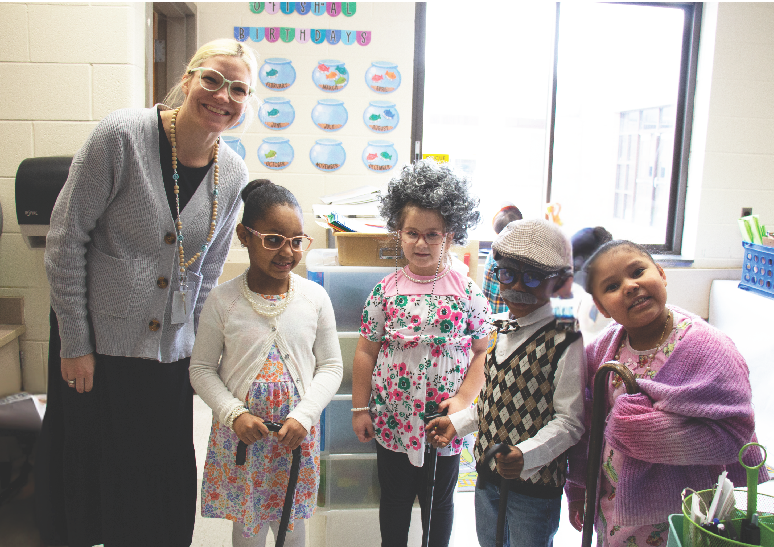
[684, 428]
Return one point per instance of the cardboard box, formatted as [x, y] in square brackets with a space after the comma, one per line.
[768, 241]
[364, 249]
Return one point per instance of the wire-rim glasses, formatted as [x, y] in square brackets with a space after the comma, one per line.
[412, 236]
[275, 242]
[530, 278]
[212, 80]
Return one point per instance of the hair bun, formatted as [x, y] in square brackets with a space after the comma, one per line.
[253, 185]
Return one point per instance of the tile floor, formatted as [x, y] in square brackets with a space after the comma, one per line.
[17, 528]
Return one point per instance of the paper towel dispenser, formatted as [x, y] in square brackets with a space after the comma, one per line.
[38, 183]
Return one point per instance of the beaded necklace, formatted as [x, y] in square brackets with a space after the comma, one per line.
[649, 359]
[264, 307]
[179, 223]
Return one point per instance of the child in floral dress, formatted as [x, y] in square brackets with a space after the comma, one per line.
[266, 349]
[422, 345]
[690, 420]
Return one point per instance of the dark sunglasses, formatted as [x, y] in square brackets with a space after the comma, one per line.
[530, 278]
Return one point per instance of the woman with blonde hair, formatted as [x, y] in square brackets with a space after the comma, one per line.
[138, 237]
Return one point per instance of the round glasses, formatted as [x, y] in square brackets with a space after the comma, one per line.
[212, 80]
[275, 242]
[412, 236]
[530, 278]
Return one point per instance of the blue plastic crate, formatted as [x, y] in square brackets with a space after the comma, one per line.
[758, 269]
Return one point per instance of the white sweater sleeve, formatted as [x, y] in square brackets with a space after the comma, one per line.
[328, 369]
[205, 360]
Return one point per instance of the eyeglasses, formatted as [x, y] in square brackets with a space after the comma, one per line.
[212, 80]
[530, 278]
[412, 236]
[275, 242]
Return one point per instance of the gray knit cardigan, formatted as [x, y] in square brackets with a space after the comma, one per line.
[106, 248]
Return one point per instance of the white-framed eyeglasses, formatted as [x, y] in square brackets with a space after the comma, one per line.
[412, 236]
[212, 80]
[274, 242]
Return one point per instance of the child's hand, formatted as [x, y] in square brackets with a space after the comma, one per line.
[440, 432]
[452, 405]
[511, 465]
[576, 510]
[291, 434]
[250, 428]
[363, 426]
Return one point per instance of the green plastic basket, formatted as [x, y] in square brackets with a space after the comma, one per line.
[696, 536]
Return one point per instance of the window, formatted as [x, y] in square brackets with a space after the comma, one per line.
[592, 112]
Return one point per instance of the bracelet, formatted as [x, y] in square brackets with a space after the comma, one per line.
[360, 409]
[233, 415]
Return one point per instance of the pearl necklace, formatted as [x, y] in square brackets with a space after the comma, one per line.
[264, 307]
[407, 276]
[179, 223]
[650, 358]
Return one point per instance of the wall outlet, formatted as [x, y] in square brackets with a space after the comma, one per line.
[746, 211]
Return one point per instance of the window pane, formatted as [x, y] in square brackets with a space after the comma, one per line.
[487, 94]
[617, 85]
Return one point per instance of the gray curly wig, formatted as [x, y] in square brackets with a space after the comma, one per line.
[434, 186]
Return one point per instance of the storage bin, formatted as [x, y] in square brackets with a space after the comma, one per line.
[695, 536]
[337, 435]
[348, 344]
[757, 269]
[675, 531]
[347, 286]
[348, 481]
[364, 249]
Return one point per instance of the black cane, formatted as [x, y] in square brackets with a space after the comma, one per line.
[431, 455]
[241, 457]
[505, 486]
[598, 419]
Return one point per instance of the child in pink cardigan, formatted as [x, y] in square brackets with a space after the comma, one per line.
[688, 422]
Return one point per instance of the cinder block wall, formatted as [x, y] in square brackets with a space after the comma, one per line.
[64, 67]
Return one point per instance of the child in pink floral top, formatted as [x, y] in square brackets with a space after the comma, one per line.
[422, 347]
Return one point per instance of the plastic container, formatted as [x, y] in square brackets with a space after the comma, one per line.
[380, 155]
[348, 481]
[330, 114]
[383, 77]
[381, 116]
[330, 75]
[327, 154]
[276, 113]
[347, 343]
[675, 531]
[277, 73]
[337, 434]
[758, 269]
[348, 286]
[275, 153]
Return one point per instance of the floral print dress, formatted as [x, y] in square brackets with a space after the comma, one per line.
[644, 364]
[254, 493]
[426, 339]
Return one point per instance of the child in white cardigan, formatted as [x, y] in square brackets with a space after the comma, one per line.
[266, 349]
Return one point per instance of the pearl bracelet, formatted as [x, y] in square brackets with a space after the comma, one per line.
[233, 415]
[360, 409]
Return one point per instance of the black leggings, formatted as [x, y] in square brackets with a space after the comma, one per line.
[401, 483]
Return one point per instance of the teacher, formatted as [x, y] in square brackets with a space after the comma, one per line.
[138, 237]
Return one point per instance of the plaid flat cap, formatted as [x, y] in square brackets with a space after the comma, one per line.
[536, 242]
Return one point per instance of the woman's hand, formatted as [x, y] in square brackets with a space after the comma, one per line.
[291, 434]
[249, 428]
[440, 432]
[510, 465]
[362, 425]
[78, 372]
[576, 510]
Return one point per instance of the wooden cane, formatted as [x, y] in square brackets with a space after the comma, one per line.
[595, 438]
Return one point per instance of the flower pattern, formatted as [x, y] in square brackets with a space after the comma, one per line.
[423, 360]
[254, 493]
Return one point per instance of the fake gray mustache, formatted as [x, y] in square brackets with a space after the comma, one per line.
[518, 297]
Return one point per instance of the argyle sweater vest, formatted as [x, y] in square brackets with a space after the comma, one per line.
[517, 401]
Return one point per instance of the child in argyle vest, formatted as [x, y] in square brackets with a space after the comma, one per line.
[533, 397]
